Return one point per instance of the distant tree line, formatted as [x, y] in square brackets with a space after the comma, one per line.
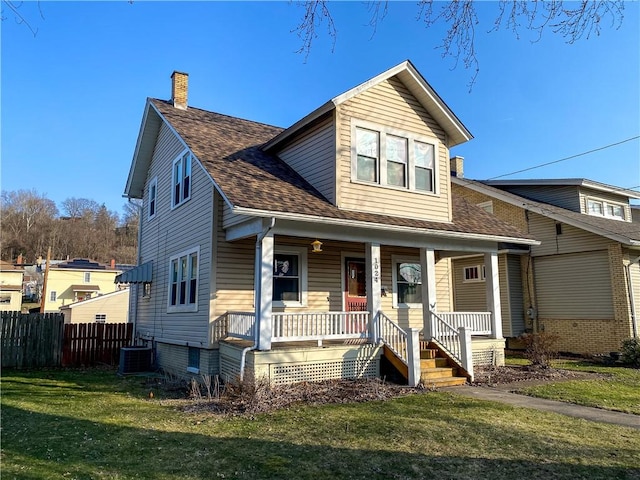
[82, 228]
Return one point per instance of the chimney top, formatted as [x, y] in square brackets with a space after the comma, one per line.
[179, 89]
[457, 166]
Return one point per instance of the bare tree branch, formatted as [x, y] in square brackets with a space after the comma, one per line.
[316, 12]
[20, 19]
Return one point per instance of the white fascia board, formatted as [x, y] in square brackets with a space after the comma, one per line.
[184, 144]
[380, 226]
[526, 204]
[136, 153]
[579, 182]
[246, 229]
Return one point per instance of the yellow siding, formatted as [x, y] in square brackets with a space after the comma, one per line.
[13, 279]
[391, 104]
[61, 281]
[114, 306]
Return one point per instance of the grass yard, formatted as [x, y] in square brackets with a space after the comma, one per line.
[94, 425]
[617, 388]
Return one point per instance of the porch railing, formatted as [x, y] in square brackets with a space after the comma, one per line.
[456, 342]
[319, 326]
[241, 325]
[393, 337]
[479, 323]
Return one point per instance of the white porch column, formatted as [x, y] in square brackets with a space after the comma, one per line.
[413, 356]
[374, 295]
[264, 291]
[428, 269]
[492, 283]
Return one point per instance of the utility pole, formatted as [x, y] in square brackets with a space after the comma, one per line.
[43, 298]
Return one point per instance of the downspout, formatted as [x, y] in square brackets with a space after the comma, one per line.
[257, 294]
[138, 259]
[632, 303]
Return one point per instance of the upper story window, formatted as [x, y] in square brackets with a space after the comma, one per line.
[183, 281]
[153, 196]
[181, 180]
[87, 277]
[393, 158]
[289, 277]
[53, 295]
[603, 208]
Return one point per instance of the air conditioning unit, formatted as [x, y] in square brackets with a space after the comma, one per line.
[135, 360]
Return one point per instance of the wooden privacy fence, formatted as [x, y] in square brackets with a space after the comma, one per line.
[90, 343]
[43, 340]
[31, 340]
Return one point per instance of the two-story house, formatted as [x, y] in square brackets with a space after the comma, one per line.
[309, 252]
[77, 280]
[582, 282]
[11, 278]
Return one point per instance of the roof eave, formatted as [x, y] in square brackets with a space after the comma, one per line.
[380, 226]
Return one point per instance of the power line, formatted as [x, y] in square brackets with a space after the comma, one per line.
[567, 158]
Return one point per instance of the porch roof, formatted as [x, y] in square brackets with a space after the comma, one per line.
[253, 181]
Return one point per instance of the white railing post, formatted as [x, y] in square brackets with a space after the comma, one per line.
[466, 352]
[374, 292]
[264, 274]
[413, 356]
[428, 268]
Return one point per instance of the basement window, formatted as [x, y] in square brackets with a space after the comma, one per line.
[194, 360]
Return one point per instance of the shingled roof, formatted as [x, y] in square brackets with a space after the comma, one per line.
[229, 148]
[624, 232]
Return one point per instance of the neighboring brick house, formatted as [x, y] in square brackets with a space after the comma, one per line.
[583, 281]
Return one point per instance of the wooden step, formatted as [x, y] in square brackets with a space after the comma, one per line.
[434, 363]
[443, 382]
[438, 373]
[428, 353]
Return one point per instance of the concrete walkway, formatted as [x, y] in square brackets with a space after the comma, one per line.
[570, 409]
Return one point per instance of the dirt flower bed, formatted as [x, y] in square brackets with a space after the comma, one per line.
[497, 376]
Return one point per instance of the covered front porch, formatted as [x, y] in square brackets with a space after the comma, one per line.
[393, 294]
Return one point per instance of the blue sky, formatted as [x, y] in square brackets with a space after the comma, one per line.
[73, 95]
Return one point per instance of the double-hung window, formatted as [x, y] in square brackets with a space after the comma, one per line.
[183, 281]
[289, 277]
[87, 277]
[475, 273]
[181, 179]
[393, 158]
[603, 208]
[153, 196]
[407, 279]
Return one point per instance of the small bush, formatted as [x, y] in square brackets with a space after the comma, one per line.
[540, 348]
[631, 352]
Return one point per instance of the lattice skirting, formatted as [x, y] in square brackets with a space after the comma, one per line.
[313, 372]
[484, 357]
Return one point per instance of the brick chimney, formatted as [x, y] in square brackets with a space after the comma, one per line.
[179, 89]
[113, 264]
[457, 166]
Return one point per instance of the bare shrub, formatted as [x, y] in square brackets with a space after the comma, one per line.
[631, 352]
[540, 348]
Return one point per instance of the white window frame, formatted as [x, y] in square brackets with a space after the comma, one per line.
[101, 318]
[605, 207]
[53, 295]
[153, 198]
[395, 260]
[481, 274]
[186, 166]
[301, 253]
[187, 306]
[87, 277]
[486, 206]
[410, 169]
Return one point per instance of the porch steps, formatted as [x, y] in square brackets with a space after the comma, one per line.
[437, 371]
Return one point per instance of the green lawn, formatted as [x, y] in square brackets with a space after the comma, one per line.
[617, 388]
[94, 425]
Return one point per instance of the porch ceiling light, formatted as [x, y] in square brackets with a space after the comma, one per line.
[317, 246]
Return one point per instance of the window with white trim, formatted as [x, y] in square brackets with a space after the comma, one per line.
[153, 197]
[101, 317]
[475, 273]
[87, 277]
[53, 295]
[407, 281]
[290, 277]
[181, 180]
[393, 158]
[602, 208]
[183, 281]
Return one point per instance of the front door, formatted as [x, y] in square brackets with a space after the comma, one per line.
[355, 295]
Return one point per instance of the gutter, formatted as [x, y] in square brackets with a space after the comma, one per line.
[139, 257]
[257, 295]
